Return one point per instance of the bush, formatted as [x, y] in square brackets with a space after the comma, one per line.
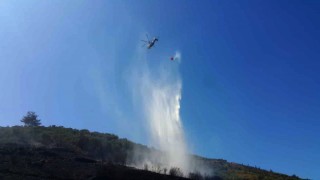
[175, 171]
[195, 176]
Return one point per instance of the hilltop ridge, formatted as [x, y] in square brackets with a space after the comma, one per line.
[45, 152]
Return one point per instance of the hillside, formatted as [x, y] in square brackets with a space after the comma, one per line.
[66, 153]
[27, 162]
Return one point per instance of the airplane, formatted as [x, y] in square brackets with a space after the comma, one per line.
[149, 43]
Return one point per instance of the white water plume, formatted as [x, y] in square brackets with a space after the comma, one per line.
[162, 110]
[177, 56]
[159, 92]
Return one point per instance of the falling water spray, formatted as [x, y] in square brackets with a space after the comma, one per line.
[159, 92]
[162, 110]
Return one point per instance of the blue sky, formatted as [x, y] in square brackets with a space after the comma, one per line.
[250, 72]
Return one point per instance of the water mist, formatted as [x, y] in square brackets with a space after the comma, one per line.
[159, 92]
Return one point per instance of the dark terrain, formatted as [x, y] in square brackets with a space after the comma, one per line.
[65, 153]
[25, 162]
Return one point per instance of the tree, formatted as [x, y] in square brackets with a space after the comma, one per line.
[31, 119]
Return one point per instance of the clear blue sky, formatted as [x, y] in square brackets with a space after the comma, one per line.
[250, 71]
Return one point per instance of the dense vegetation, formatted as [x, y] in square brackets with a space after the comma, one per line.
[110, 149]
[105, 147]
